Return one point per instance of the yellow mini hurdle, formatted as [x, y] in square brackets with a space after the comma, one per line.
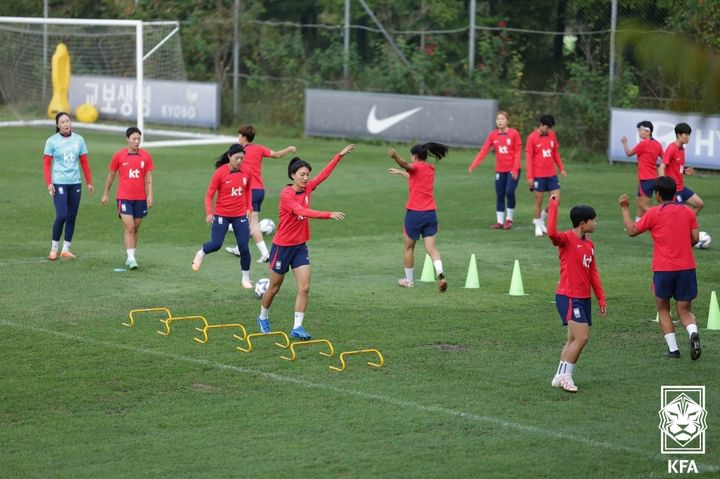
[218, 326]
[145, 310]
[249, 337]
[167, 322]
[312, 341]
[359, 351]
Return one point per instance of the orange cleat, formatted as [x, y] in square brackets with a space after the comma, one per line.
[507, 225]
[67, 255]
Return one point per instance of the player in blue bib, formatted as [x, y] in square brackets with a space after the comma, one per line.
[65, 153]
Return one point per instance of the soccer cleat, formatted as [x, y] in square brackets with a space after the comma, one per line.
[263, 258]
[556, 381]
[507, 225]
[543, 227]
[53, 255]
[538, 230]
[300, 333]
[442, 283]
[264, 325]
[496, 226]
[131, 264]
[247, 284]
[197, 262]
[405, 283]
[67, 255]
[672, 354]
[695, 350]
[566, 382]
[233, 251]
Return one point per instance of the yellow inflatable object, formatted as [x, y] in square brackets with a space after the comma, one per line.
[86, 113]
[60, 81]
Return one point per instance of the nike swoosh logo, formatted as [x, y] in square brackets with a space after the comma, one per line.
[374, 125]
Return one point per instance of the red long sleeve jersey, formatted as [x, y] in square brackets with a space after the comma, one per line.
[507, 147]
[648, 151]
[294, 209]
[578, 270]
[541, 151]
[233, 193]
[674, 161]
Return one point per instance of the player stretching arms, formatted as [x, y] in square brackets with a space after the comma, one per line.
[673, 165]
[231, 208]
[65, 153]
[578, 274]
[421, 217]
[252, 164]
[288, 248]
[648, 150]
[541, 151]
[135, 192]
[674, 229]
[507, 145]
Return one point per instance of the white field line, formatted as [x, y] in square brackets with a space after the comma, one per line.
[497, 421]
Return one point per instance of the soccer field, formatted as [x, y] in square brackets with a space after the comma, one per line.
[465, 390]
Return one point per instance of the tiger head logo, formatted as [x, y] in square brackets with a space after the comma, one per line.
[683, 420]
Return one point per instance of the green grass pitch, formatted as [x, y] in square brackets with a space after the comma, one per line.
[465, 391]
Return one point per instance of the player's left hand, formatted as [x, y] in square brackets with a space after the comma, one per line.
[515, 176]
[150, 201]
[346, 150]
[689, 171]
[624, 201]
[91, 189]
[563, 172]
[603, 311]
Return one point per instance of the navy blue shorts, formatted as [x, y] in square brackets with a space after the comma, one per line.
[574, 309]
[681, 285]
[420, 223]
[134, 208]
[683, 195]
[258, 196]
[645, 188]
[546, 183]
[282, 258]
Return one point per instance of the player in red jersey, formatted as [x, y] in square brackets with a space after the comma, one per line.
[542, 153]
[507, 145]
[578, 274]
[254, 155]
[648, 150]
[232, 206]
[135, 189]
[421, 216]
[289, 249]
[674, 229]
[673, 165]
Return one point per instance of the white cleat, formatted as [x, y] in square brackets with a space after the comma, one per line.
[263, 258]
[197, 262]
[405, 283]
[538, 230]
[543, 227]
[566, 382]
[247, 285]
[556, 381]
[233, 251]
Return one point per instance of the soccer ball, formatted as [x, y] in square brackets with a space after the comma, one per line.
[704, 240]
[267, 226]
[261, 286]
[86, 113]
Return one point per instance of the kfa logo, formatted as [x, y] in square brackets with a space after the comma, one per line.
[236, 191]
[547, 153]
[503, 150]
[683, 421]
[134, 173]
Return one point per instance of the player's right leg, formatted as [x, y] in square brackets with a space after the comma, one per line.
[217, 236]
[666, 324]
[276, 281]
[60, 202]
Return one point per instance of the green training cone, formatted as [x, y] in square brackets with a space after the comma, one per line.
[428, 272]
[713, 313]
[516, 285]
[472, 280]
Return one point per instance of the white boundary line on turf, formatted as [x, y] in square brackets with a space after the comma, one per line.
[360, 394]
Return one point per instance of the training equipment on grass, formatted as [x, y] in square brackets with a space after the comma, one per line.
[472, 280]
[428, 272]
[311, 341]
[255, 335]
[218, 326]
[267, 226]
[516, 284]
[167, 322]
[359, 351]
[713, 313]
[261, 286]
[146, 310]
[704, 240]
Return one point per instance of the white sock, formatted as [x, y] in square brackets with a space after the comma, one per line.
[560, 369]
[54, 245]
[543, 215]
[201, 252]
[500, 216]
[131, 254]
[66, 246]
[438, 266]
[692, 328]
[409, 274]
[569, 368]
[510, 213]
[263, 248]
[671, 342]
[537, 221]
[264, 312]
[298, 319]
[246, 275]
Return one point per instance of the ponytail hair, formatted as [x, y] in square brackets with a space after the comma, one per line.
[225, 157]
[295, 164]
[438, 150]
